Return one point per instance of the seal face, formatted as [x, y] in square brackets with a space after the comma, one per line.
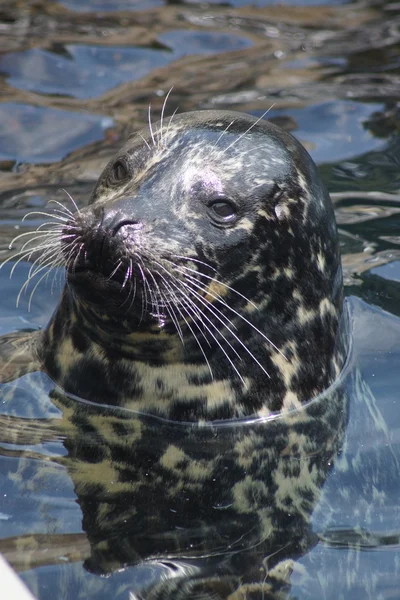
[203, 278]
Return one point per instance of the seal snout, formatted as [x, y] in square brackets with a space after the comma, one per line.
[112, 221]
[97, 245]
[133, 225]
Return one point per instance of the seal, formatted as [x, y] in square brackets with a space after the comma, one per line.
[203, 278]
[204, 295]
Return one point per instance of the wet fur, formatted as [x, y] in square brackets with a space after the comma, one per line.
[190, 320]
[173, 316]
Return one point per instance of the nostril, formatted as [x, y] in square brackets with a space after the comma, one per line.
[136, 226]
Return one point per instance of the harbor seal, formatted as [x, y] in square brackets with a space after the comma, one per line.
[197, 329]
[203, 278]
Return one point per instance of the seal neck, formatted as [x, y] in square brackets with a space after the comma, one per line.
[149, 369]
[90, 330]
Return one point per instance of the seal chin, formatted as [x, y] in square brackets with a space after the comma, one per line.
[82, 277]
[96, 288]
[120, 295]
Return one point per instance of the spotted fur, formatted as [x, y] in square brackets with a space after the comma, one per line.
[175, 313]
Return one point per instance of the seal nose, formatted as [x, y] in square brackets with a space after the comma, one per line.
[135, 225]
[115, 220]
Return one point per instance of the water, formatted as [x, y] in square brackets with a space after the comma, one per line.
[77, 77]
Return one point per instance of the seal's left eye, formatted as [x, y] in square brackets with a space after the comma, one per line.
[223, 210]
[119, 171]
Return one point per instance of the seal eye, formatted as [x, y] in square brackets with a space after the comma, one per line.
[223, 211]
[119, 171]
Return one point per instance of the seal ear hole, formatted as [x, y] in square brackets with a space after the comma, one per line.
[119, 171]
[222, 210]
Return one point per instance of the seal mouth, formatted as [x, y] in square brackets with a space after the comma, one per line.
[85, 274]
[123, 274]
[120, 280]
[133, 282]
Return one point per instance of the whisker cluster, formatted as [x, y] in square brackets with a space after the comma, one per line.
[158, 137]
[182, 294]
[43, 246]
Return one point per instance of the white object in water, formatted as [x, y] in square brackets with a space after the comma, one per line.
[12, 588]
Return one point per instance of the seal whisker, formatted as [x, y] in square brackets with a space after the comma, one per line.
[175, 321]
[224, 131]
[63, 246]
[201, 317]
[46, 242]
[196, 260]
[132, 291]
[151, 126]
[174, 296]
[68, 212]
[194, 334]
[179, 300]
[178, 282]
[42, 260]
[71, 235]
[170, 120]
[213, 310]
[133, 297]
[45, 214]
[56, 274]
[155, 298]
[206, 290]
[143, 296]
[72, 245]
[168, 307]
[54, 227]
[191, 306]
[145, 141]
[249, 129]
[27, 255]
[217, 281]
[127, 274]
[196, 338]
[115, 270]
[39, 269]
[39, 261]
[50, 240]
[72, 200]
[128, 277]
[162, 114]
[49, 236]
[76, 258]
[37, 284]
[213, 306]
[66, 216]
[237, 338]
[55, 231]
[146, 286]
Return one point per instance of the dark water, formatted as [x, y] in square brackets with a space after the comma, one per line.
[76, 78]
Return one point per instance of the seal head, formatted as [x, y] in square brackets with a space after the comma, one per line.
[203, 278]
